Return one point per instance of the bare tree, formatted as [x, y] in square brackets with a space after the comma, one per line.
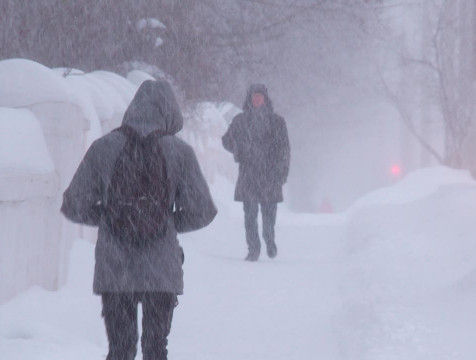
[206, 46]
[442, 74]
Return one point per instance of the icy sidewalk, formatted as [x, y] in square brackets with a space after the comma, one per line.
[394, 278]
[272, 309]
[231, 309]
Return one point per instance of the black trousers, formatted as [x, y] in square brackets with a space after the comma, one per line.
[268, 212]
[120, 317]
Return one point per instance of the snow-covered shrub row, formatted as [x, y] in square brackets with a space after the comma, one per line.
[28, 188]
[409, 292]
[47, 121]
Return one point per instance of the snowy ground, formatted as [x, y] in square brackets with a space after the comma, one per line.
[392, 278]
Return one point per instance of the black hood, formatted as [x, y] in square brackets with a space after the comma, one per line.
[154, 107]
[254, 88]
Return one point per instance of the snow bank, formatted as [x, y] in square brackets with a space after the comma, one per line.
[123, 87]
[20, 132]
[85, 98]
[417, 185]
[391, 280]
[409, 291]
[203, 129]
[104, 97]
[66, 324]
[60, 113]
[28, 189]
[111, 94]
[25, 82]
[228, 111]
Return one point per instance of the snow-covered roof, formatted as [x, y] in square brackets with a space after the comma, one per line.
[25, 82]
[22, 145]
[121, 85]
[104, 93]
[86, 97]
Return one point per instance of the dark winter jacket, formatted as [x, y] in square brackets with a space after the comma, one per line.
[258, 140]
[157, 267]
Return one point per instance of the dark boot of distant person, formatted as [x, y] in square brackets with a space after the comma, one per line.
[120, 316]
[268, 212]
[251, 226]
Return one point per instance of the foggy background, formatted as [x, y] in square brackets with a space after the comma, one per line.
[365, 86]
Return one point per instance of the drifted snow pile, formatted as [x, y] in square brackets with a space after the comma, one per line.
[48, 119]
[410, 287]
[28, 187]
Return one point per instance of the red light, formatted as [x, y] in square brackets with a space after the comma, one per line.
[396, 170]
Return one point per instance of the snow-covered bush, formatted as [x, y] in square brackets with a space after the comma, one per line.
[71, 109]
[204, 127]
[30, 249]
[104, 97]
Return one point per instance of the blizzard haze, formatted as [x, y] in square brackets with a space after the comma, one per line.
[376, 235]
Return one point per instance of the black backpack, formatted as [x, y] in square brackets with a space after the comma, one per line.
[137, 205]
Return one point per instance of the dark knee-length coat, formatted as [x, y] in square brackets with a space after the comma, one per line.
[157, 267]
[258, 140]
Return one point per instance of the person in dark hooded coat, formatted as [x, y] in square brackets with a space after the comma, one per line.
[126, 275]
[258, 140]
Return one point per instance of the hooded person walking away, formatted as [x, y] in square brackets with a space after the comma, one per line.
[141, 185]
[258, 140]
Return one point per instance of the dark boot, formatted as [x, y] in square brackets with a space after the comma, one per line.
[251, 227]
[120, 318]
[272, 250]
[157, 311]
[269, 212]
[252, 256]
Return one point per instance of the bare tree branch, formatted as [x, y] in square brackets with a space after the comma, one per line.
[407, 120]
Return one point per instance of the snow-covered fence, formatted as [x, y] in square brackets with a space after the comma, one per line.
[103, 95]
[29, 230]
[29, 85]
[70, 109]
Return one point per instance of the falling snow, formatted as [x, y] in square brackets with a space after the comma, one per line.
[376, 235]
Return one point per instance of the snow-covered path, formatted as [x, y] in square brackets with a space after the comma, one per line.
[393, 278]
[231, 309]
[272, 309]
